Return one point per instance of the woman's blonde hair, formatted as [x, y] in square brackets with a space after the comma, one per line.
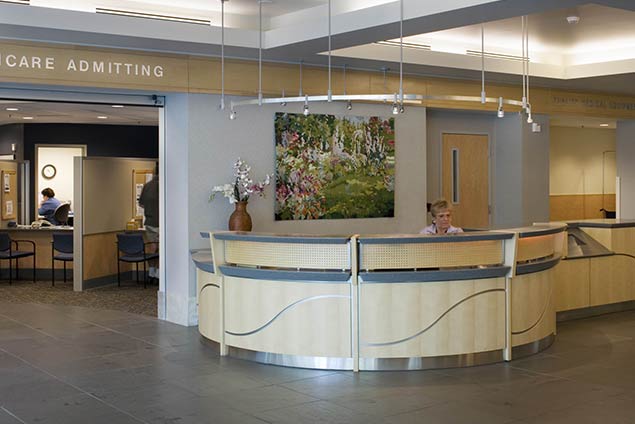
[439, 205]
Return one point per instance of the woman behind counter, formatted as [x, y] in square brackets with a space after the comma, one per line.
[48, 205]
[441, 219]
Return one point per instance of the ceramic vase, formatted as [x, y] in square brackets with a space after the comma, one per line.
[240, 220]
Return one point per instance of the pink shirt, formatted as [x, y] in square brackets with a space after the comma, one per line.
[432, 229]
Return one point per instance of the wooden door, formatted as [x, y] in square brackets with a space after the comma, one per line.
[465, 181]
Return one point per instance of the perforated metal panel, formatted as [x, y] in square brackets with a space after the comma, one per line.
[431, 255]
[288, 255]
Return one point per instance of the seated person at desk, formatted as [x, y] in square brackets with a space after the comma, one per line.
[441, 219]
[48, 205]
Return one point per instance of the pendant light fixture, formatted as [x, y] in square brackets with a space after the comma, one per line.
[401, 109]
[305, 110]
[529, 118]
[300, 93]
[525, 50]
[260, 2]
[483, 96]
[349, 104]
[398, 99]
[222, 54]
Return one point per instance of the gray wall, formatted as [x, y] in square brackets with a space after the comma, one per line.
[625, 152]
[179, 269]
[107, 193]
[457, 122]
[508, 174]
[519, 162]
[535, 160]
[216, 142]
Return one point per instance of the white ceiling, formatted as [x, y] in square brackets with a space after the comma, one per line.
[201, 7]
[75, 113]
[601, 43]
[596, 54]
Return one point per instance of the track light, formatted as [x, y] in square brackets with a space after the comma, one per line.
[401, 109]
[501, 112]
[233, 115]
[395, 108]
[529, 118]
[306, 106]
[349, 105]
[283, 104]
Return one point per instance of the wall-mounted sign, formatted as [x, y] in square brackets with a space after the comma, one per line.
[110, 68]
[594, 102]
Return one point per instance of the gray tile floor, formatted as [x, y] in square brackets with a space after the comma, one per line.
[68, 364]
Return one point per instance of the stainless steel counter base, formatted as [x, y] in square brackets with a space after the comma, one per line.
[593, 311]
[532, 348]
[431, 362]
[293, 361]
[385, 364]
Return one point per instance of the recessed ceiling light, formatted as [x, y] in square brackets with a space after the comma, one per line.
[604, 125]
[118, 106]
[27, 117]
[573, 19]
[102, 117]
[12, 109]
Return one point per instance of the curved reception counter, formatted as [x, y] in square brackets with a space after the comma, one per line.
[597, 275]
[380, 302]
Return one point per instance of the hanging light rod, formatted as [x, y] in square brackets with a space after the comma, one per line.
[397, 99]
[407, 98]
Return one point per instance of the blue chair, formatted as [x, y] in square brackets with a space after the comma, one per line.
[8, 252]
[131, 248]
[63, 244]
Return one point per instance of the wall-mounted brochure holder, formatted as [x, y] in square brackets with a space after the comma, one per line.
[9, 194]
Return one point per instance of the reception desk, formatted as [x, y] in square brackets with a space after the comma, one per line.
[600, 279]
[380, 302]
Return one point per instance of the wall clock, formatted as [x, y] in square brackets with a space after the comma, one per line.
[49, 171]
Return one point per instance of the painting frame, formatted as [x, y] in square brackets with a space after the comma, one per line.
[330, 166]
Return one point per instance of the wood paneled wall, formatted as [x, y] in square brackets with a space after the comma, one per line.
[203, 75]
[579, 206]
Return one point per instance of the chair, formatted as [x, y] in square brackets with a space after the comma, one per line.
[61, 213]
[131, 248]
[8, 252]
[63, 244]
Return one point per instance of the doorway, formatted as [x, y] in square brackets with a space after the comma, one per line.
[73, 113]
[54, 165]
[465, 178]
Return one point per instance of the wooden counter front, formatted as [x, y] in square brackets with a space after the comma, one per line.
[43, 239]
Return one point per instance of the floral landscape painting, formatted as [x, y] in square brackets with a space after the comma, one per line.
[330, 167]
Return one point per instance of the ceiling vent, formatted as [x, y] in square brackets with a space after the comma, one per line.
[492, 55]
[134, 14]
[416, 46]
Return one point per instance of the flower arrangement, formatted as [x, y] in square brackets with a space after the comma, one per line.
[243, 186]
